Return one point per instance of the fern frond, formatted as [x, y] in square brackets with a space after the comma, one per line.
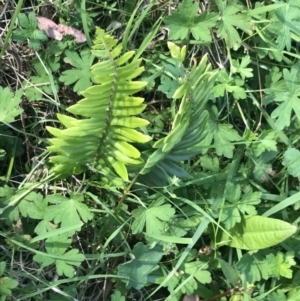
[103, 138]
[188, 129]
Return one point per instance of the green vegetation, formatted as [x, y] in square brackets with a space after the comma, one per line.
[149, 150]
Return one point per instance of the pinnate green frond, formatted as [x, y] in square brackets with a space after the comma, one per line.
[102, 139]
[189, 126]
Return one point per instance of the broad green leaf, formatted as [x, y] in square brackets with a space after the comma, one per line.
[280, 265]
[144, 260]
[258, 232]
[153, 217]
[9, 104]
[82, 75]
[184, 21]
[291, 160]
[288, 98]
[231, 16]
[67, 211]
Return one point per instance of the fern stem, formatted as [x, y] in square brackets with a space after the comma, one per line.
[120, 203]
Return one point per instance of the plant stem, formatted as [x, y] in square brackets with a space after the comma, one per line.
[10, 28]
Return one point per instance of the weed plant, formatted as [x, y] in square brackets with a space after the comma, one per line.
[157, 160]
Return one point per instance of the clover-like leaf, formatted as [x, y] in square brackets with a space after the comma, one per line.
[231, 16]
[9, 104]
[230, 84]
[285, 26]
[211, 164]
[240, 67]
[82, 74]
[265, 142]
[6, 285]
[198, 270]
[288, 98]
[64, 261]
[185, 21]
[144, 260]
[67, 211]
[222, 134]
[238, 204]
[35, 206]
[153, 217]
[253, 267]
[280, 265]
[29, 30]
[116, 296]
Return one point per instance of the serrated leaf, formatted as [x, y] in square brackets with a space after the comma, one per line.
[257, 232]
[211, 164]
[144, 260]
[198, 270]
[30, 206]
[230, 84]
[291, 160]
[233, 211]
[185, 21]
[9, 104]
[240, 67]
[253, 267]
[67, 211]
[82, 75]
[288, 98]
[153, 217]
[35, 206]
[64, 265]
[280, 265]
[222, 134]
[57, 246]
[285, 24]
[265, 142]
[30, 31]
[231, 17]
